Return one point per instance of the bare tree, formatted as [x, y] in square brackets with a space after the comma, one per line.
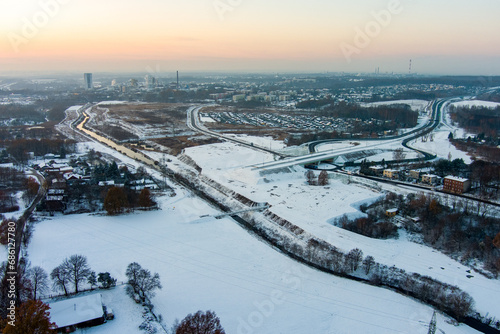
[39, 281]
[200, 323]
[398, 154]
[60, 279]
[353, 259]
[132, 274]
[310, 177]
[141, 282]
[368, 264]
[77, 269]
[323, 178]
[461, 303]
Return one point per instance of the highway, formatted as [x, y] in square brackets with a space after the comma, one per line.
[403, 139]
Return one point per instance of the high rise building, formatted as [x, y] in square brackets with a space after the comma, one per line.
[87, 77]
[150, 81]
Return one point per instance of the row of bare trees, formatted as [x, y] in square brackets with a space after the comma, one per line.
[353, 264]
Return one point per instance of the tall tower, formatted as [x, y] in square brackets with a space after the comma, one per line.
[410, 68]
[87, 77]
[177, 79]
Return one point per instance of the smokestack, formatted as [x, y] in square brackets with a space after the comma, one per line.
[177, 79]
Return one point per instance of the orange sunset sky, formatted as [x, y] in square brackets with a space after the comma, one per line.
[441, 37]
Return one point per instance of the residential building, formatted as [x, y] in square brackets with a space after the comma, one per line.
[456, 185]
[239, 97]
[78, 312]
[415, 174]
[377, 170]
[391, 212]
[429, 179]
[391, 173]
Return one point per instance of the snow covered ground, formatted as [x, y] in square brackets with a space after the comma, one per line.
[110, 103]
[441, 146]
[477, 103]
[209, 264]
[266, 142]
[416, 105]
[314, 208]
[206, 119]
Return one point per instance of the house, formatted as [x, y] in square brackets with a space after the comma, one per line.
[52, 171]
[59, 182]
[377, 170]
[391, 173]
[55, 200]
[391, 212]
[429, 179]
[144, 183]
[456, 185]
[69, 314]
[106, 183]
[415, 174]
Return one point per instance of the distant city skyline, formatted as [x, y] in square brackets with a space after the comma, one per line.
[459, 38]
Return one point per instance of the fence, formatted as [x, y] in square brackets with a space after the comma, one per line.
[72, 294]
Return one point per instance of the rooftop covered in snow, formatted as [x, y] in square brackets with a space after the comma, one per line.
[76, 310]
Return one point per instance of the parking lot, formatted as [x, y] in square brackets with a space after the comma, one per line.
[274, 120]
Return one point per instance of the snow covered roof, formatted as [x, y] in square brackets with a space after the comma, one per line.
[54, 198]
[106, 183]
[69, 176]
[455, 178]
[76, 310]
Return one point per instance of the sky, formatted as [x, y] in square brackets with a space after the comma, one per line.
[440, 37]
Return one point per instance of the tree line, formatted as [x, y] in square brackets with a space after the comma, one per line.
[19, 148]
[401, 115]
[477, 119]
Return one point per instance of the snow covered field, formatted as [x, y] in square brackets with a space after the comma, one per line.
[211, 264]
[314, 208]
[416, 105]
[266, 142]
[441, 146]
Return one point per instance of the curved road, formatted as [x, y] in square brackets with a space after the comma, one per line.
[193, 123]
[403, 139]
